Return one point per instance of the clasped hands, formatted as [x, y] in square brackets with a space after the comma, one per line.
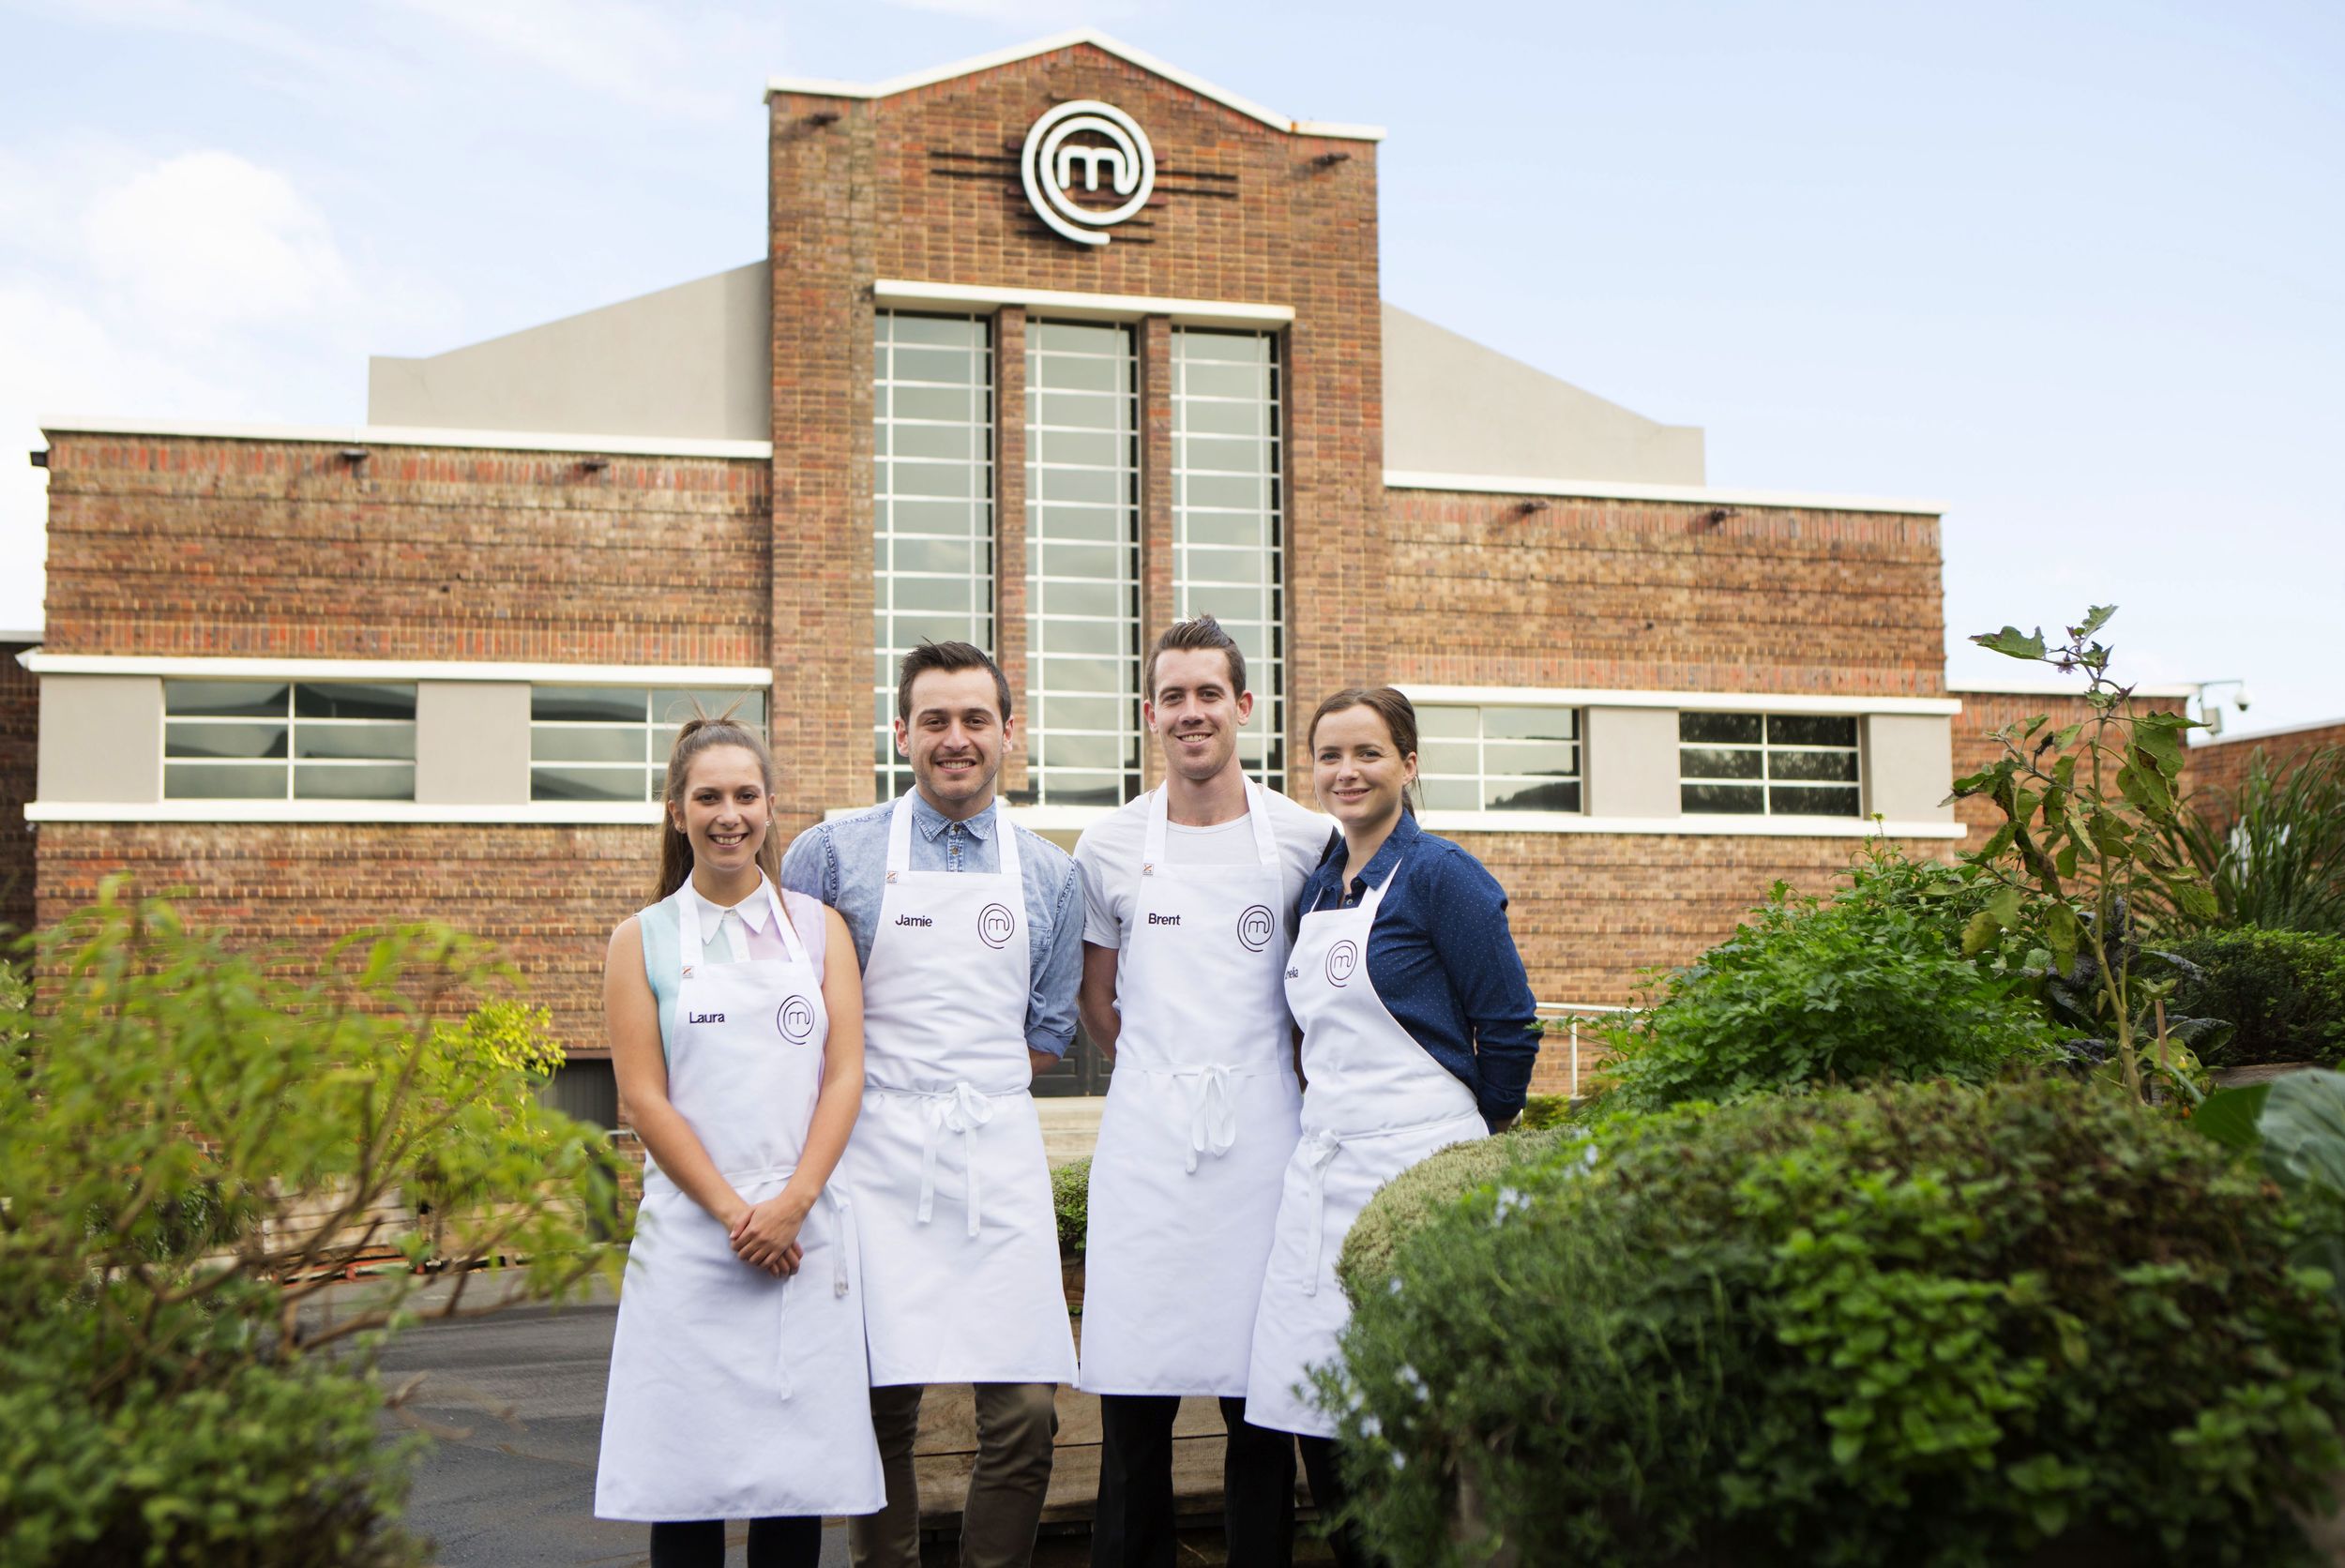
[766, 1235]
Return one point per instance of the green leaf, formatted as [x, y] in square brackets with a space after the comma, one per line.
[2060, 929]
[1982, 932]
[2095, 619]
[2304, 1131]
[2013, 644]
[2229, 1116]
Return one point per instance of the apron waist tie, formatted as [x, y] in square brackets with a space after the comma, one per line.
[1212, 1114]
[844, 1215]
[960, 1110]
[1319, 1151]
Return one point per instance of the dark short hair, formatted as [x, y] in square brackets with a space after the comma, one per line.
[1198, 631]
[946, 656]
[1396, 710]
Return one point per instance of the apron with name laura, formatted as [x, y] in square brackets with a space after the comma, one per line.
[1201, 1118]
[734, 1395]
[1374, 1105]
[952, 1192]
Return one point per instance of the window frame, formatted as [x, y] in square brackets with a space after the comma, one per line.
[1768, 748]
[292, 762]
[1483, 779]
[653, 727]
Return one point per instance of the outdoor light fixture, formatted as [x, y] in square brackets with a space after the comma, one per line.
[2210, 713]
[823, 117]
[1715, 517]
[40, 457]
[1527, 507]
[355, 454]
[594, 465]
[1328, 160]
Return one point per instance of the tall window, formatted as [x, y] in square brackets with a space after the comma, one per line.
[1476, 758]
[612, 743]
[289, 739]
[1770, 764]
[933, 503]
[1227, 522]
[1083, 565]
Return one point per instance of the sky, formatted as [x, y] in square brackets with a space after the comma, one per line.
[2076, 271]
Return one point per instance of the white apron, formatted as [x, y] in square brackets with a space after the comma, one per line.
[1375, 1104]
[1201, 1119]
[952, 1192]
[734, 1395]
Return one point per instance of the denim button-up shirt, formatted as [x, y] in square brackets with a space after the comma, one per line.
[844, 864]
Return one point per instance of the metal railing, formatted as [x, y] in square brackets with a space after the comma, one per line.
[1574, 1012]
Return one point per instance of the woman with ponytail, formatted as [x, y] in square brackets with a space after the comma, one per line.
[738, 1380]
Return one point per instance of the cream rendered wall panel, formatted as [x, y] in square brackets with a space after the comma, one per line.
[101, 738]
[689, 361]
[472, 743]
[1909, 766]
[1629, 762]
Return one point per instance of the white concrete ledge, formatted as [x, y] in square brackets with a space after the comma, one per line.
[1695, 824]
[897, 293]
[1694, 701]
[1599, 489]
[821, 87]
[412, 435]
[41, 663]
[386, 812]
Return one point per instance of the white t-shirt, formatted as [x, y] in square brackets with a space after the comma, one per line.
[1108, 858]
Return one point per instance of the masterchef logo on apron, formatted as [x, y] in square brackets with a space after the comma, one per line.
[996, 924]
[796, 1019]
[1256, 926]
[1343, 959]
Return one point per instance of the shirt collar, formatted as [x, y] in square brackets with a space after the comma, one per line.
[932, 823]
[1380, 865]
[754, 910]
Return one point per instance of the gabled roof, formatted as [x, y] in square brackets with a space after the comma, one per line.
[813, 88]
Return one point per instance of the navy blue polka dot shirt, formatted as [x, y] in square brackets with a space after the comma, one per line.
[1441, 959]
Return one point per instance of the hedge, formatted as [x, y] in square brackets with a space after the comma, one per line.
[2283, 993]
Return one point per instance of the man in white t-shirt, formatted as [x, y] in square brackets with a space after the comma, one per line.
[1186, 897]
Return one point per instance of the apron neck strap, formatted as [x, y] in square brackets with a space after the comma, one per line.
[899, 839]
[1257, 813]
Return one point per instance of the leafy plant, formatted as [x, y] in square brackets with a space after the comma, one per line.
[1928, 1324]
[2272, 852]
[2282, 991]
[2088, 810]
[1425, 1191]
[194, 1143]
[1070, 1195]
[1864, 986]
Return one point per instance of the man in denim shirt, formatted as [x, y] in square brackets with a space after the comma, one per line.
[950, 1189]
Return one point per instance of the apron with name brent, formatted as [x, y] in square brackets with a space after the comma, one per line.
[1201, 1119]
[736, 1394]
[952, 1192]
[1375, 1104]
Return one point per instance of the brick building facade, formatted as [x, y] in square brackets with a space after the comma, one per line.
[421, 667]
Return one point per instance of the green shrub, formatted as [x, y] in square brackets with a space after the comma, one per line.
[1070, 1195]
[2272, 852]
[1541, 1111]
[1931, 1324]
[1863, 987]
[192, 1143]
[2282, 992]
[1425, 1191]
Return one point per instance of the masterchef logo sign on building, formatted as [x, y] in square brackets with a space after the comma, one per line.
[1087, 167]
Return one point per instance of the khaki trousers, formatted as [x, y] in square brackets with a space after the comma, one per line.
[1016, 1424]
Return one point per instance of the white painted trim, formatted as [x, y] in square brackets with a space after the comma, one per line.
[30, 635]
[1699, 702]
[386, 812]
[2250, 737]
[415, 435]
[2053, 685]
[1697, 824]
[43, 663]
[895, 293]
[817, 87]
[1601, 490]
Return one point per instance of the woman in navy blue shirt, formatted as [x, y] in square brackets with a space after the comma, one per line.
[1418, 1032]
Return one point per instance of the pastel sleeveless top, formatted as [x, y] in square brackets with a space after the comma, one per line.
[663, 960]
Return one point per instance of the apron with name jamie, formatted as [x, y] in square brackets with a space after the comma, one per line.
[734, 1395]
[952, 1192]
[1201, 1118]
[1375, 1104]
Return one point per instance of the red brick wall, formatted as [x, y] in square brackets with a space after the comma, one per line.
[1976, 750]
[20, 751]
[1655, 596]
[547, 896]
[2216, 770]
[172, 545]
[923, 186]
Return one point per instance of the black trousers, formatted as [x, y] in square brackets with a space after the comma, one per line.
[791, 1542]
[1133, 1525]
[1328, 1492]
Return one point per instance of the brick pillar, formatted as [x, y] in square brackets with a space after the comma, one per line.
[1156, 606]
[1009, 529]
[823, 222]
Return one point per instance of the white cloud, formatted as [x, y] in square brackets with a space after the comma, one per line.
[697, 64]
[209, 240]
